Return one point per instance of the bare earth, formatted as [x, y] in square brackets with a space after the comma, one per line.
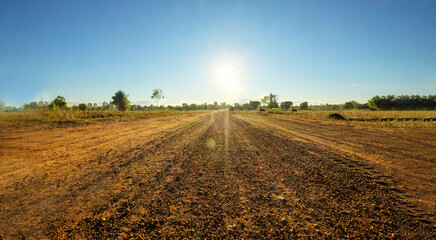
[217, 175]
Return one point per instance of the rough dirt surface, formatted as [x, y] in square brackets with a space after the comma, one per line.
[217, 175]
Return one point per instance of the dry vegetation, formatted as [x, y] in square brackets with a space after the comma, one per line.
[217, 175]
[396, 119]
[68, 117]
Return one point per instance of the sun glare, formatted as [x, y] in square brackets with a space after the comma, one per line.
[227, 77]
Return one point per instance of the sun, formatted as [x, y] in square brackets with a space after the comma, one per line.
[227, 77]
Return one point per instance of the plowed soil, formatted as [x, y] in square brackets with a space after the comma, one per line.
[217, 175]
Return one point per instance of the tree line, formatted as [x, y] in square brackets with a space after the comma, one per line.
[120, 102]
[403, 102]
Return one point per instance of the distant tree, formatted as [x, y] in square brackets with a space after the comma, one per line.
[58, 103]
[31, 105]
[237, 106]
[135, 107]
[120, 101]
[254, 104]
[203, 106]
[83, 107]
[265, 100]
[332, 106]
[193, 106]
[11, 109]
[403, 102]
[185, 107]
[42, 104]
[2, 106]
[213, 106]
[74, 107]
[246, 106]
[157, 95]
[382, 103]
[273, 101]
[318, 107]
[111, 107]
[105, 106]
[286, 105]
[224, 105]
[357, 105]
[304, 105]
[347, 105]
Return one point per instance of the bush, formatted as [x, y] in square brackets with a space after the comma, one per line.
[336, 116]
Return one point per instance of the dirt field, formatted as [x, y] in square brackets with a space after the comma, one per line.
[217, 175]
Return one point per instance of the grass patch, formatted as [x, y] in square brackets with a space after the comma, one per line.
[396, 119]
[66, 117]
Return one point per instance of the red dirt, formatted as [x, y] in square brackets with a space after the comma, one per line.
[217, 175]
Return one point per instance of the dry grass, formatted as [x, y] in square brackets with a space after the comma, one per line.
[80, 117]
[396, 119]
[364, 114]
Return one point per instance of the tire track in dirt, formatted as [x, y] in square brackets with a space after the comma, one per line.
[258, 185]
[36, 205]
[346, 201]
[115, 217]
[208, 193]
[223, 176]
[406, 175]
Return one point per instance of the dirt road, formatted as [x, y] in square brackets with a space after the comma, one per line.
[216, 175]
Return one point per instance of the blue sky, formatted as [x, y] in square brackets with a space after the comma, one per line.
[316, 51]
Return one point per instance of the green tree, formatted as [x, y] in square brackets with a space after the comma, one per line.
[348, 105]
[83, 106]
[185, 107]
[373, 102]
[120, 101]
[254, 104]
[157, 95]
[237, 106]
[43, 104]
[265, 100]
[105, 106]
[33, 105]
[224, 105]
[304, 105]
[286, 105]
[135, 107]
[403, 102]
[273, 101]
[59, 103]
[357, 105]
[333, 106]
[193, 106]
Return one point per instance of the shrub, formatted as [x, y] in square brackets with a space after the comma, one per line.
[336, 116]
